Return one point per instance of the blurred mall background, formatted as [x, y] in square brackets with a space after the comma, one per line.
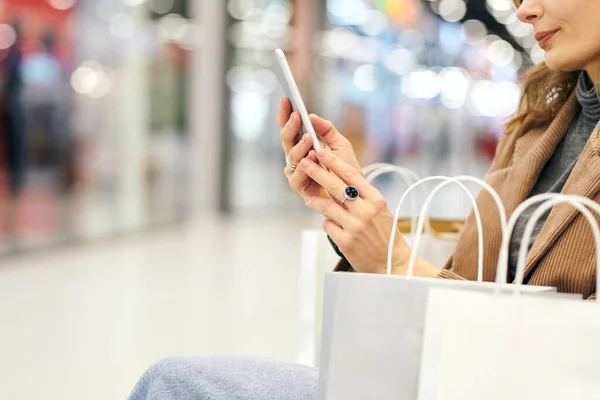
[125, 118]
[124, 114]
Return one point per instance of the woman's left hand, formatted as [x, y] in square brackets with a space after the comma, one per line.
[360, 228]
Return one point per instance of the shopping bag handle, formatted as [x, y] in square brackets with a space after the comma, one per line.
[446, 181]
[408, 176]
[550, 200]
[374, 170]
[370, 169]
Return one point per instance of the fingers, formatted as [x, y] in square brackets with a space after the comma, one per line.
[330, 182]
[299, 151]
[289, 132]
[335, 232]
[285, 109]
[298, 180]
[327, 131]
[348, 174]
[332, 210]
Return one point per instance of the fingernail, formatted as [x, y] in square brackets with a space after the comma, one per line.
[305, 138]
[322, 153]
[304, 162]
[291, 117]
[308, 199]
[281, 101]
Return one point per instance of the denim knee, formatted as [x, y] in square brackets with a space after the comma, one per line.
[163, 381]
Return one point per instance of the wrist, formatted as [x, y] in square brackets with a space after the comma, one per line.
[422, 268]
[400, 268]
[400, 262]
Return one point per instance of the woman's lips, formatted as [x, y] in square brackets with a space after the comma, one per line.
[544, 37]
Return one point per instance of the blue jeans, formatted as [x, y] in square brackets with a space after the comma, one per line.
[227, 378]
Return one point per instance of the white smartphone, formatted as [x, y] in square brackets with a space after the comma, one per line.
[288, 83]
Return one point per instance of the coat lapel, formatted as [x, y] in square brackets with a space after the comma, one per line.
[519, 167]
[584, 180]
[531, 153]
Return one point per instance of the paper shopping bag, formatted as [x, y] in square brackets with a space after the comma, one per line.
[373, 327]
[438, 241]
[422, 221]
[318, 257]
[439, 238]
[372, 333]
[495, 346]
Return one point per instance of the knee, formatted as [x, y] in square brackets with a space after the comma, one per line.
[161, 380]
[165, 368]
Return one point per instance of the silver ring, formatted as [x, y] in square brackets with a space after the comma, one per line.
[291, 166]
[350, 193]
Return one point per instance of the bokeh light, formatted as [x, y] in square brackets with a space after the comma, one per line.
[423, 83]
[500, 53]
[401, 61]
[62, 4]
[452, 10]
[8, 36]
[161, 6]
[473, 31]
[365, 78]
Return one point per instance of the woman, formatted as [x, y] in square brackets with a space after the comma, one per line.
[552, 144]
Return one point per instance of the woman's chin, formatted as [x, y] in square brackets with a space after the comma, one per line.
[557, 63]
[554, 63]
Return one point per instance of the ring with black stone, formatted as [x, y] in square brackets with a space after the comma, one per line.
[350, 193]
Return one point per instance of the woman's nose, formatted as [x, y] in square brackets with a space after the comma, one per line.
[529, 11]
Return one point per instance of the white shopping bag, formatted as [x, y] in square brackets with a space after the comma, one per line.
[495, 346]
[318, 257]
[373, 327]
[439, 240]
[424, 210]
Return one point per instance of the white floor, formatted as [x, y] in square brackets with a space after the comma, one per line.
[85, 322]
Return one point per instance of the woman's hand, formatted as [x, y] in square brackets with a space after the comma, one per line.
[361, 228]
[295, 150]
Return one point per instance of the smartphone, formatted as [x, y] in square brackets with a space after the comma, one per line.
[288, 84]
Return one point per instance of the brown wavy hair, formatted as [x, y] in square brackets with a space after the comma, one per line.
[544, 93]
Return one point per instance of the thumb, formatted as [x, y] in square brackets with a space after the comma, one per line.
[326, 130]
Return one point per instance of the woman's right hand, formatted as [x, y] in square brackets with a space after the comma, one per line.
[290, 124]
